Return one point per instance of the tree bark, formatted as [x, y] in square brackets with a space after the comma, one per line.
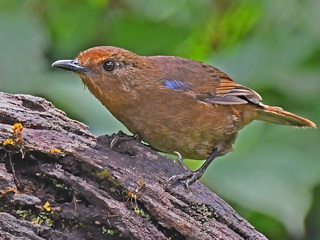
[87, 190]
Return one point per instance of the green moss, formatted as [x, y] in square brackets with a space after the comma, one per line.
[142, 213]
[108, 231]
[42, 218]
[104, 174]
[39, 219]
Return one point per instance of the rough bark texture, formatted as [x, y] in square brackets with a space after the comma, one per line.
[89, 191]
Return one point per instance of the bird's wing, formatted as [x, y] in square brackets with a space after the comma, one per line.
[210, 85]
[228, 92]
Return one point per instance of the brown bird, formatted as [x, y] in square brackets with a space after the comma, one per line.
[174, 104]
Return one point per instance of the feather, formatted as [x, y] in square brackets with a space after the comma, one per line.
[177, 85]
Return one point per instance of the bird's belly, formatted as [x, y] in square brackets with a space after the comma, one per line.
[187, 131]
[190, 145]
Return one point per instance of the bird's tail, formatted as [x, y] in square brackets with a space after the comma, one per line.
[279, 116]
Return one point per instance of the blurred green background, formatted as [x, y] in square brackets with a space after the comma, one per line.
[273, 176]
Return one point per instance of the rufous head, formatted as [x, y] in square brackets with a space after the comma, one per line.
[105, 67]
[100, 60]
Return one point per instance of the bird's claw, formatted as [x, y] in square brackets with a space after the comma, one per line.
[115, 139]
[121, 136]
[188, 178]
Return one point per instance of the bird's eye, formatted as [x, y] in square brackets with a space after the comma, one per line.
[109, 66]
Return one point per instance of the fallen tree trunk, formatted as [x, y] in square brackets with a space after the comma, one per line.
[58, 181]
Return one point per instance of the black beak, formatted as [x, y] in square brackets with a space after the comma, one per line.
[70, 65]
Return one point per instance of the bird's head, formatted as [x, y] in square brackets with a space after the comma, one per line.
[106, 67]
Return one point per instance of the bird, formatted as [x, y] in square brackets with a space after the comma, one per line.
[174, 104]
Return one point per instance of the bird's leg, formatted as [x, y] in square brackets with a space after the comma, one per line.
[121, 136]
[190, 177]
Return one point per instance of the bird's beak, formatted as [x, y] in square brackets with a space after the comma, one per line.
[70, 65]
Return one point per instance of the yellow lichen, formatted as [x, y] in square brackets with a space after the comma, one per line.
[17, 128]
[55, 151]
[47, 207]
[9, 141]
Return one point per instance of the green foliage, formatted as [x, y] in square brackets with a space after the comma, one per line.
[270, 46]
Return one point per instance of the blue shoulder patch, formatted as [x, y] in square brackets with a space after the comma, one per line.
[177, 85]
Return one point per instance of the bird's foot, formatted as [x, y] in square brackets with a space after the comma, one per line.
[187, 178]
[121, 136]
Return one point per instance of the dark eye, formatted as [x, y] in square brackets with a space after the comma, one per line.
[109, 66]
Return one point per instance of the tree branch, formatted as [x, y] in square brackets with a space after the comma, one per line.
[89, 191]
